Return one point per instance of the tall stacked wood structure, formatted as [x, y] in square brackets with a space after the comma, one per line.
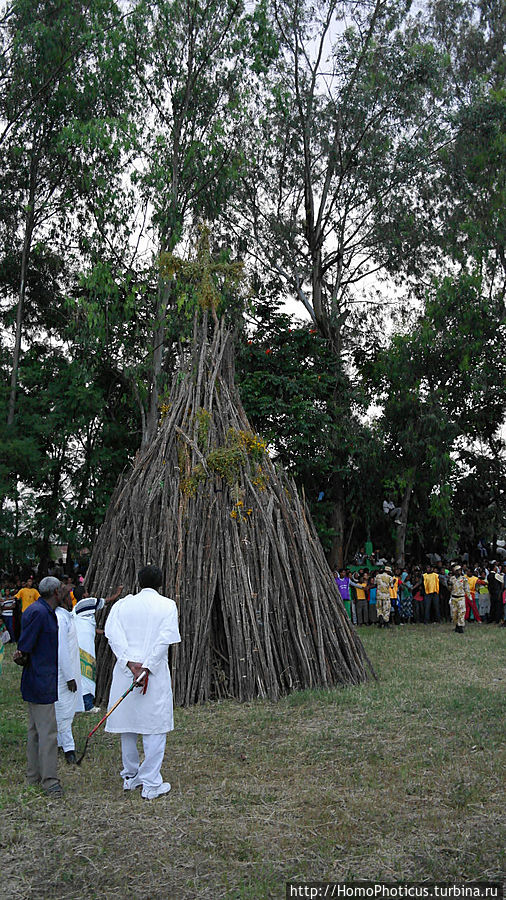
[260, 614]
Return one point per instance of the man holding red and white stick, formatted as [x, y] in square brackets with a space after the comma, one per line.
[140, 628]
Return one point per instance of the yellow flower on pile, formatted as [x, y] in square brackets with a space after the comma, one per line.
[164, 410]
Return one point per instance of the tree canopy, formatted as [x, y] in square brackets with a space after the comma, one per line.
[351, 156]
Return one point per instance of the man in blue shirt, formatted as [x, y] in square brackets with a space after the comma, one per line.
[38, 654]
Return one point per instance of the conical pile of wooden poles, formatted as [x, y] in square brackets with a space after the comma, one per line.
[260, 614]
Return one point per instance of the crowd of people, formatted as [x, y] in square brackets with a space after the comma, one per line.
[384, 594]
[18, 592]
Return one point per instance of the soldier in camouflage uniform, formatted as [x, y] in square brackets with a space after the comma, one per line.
[459, 590]
[384, 582]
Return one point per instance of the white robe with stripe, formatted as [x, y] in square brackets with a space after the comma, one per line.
[85, 626]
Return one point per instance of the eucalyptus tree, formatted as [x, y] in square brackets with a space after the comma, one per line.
[479, 498]
[470, 190]
[192, 65]
[54, 72]
[469, 202]
[441, 386]
[354, 116]
[122, 127]
[63, 91]
[353, 119]
[287, 374]
[76, 424]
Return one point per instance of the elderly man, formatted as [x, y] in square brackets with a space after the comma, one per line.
[70, 695]
[140, 628]
[38, 653]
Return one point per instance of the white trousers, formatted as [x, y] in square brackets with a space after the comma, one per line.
[65, 708]
[148, 773]
[66, 740]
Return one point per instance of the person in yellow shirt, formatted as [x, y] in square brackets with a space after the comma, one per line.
[360, 585]
[28, 594]
[431, 594]
[471, 599]
[394, 597]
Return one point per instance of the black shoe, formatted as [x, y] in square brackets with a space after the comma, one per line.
[380, 622]
[55, 790]
[386, 624]
[460, 629]
[70, 756]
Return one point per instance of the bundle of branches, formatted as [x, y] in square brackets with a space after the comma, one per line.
[260, 614]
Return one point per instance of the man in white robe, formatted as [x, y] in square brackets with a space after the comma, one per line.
[84, 617]
[140, 628]
[70, 697]
[85, 612]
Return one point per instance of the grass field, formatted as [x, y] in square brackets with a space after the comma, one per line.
[402, 778]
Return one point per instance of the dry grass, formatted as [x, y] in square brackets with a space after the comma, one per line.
[399, 779]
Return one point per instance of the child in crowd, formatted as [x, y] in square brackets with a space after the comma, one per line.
[360, 586]
[417, 592]
[371, 589]
[406, 598]
[4, 639]
[472, 580]
[394, 597]
[483, 596]
[342, 580]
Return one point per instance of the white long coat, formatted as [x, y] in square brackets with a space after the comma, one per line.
[69, 668]
[140, 628]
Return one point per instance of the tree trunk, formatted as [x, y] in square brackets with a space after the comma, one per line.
[337, 552]
[44, 552]
[336, 557]
[16, 507]
[348, 542]
[150, 422]
[84, 489]
[19, 314]
[27, 244]
[52, 510]
[400, 539]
